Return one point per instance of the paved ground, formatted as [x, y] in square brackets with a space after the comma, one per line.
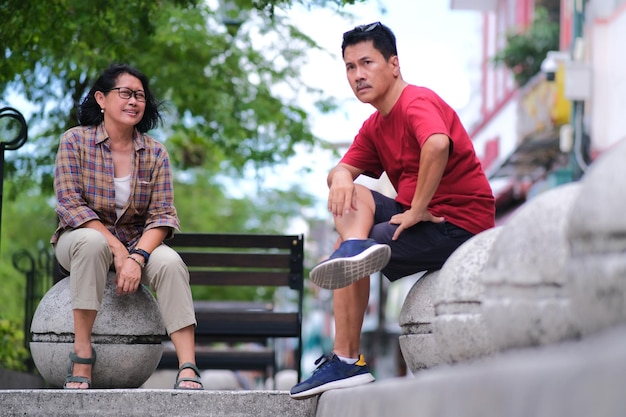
[584, 378]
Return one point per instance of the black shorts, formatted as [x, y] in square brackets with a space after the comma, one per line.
[423, 247]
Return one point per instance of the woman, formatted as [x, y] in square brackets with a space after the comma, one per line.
[113, 184]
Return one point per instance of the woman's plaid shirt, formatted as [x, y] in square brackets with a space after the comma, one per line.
[83, 182]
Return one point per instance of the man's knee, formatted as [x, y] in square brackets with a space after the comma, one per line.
[383, 232]
[364, 194]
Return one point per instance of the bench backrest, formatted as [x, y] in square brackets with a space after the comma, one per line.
[242, 259]
[216, 259]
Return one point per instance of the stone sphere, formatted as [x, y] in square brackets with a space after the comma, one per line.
[458, 326]
[597, 236]
[526, 302]
[126, 336]
[417, 343]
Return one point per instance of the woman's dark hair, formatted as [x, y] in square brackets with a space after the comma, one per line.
[89, 113]
[382, 37]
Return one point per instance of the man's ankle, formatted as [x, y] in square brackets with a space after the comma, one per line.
[349, 361]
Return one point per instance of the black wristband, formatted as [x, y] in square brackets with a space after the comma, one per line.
[141, 252]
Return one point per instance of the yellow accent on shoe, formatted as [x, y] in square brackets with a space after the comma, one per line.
[361, 361]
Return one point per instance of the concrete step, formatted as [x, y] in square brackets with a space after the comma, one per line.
[577, 378]
[153, 403]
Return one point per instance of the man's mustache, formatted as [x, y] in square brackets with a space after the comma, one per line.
[361, 84]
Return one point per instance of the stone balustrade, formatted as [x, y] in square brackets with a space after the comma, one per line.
[458, 325]
[555, 271]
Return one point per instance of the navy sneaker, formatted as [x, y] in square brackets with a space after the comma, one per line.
[353, 260]
[332, 373]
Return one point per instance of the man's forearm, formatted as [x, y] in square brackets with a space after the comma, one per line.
[433, 161]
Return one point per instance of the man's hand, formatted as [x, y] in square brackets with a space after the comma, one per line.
[342, 195]
[410, 218]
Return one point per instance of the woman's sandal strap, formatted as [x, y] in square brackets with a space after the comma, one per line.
[74, 358]
[196, 379]
[78, 379]
[83, 361]
[189, 365]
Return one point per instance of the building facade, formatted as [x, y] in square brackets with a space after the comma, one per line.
[546, 131]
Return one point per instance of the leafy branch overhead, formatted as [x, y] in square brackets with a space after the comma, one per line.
[228, 86]
[524, 51]
[223, 85]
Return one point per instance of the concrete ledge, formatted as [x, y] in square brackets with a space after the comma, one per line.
[153, 403]
[573, 379]
[581, 378]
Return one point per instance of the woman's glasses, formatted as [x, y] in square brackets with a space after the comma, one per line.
[126, 93]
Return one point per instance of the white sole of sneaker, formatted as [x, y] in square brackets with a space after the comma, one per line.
[342, 383]
[341, 272]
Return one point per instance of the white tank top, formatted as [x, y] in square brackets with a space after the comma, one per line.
[122, 192]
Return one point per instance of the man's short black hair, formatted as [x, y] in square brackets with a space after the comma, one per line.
[382, 37]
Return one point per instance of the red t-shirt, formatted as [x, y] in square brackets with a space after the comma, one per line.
[393, 144]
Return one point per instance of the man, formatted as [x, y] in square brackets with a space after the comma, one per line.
[443, 197]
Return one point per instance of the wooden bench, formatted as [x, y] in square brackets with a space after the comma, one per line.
[241, 335]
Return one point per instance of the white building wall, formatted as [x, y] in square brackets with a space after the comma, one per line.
[503, 126]
[606, 41]
[489, 76]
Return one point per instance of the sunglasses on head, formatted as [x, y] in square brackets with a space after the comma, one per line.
[364, 28]
[370, 27]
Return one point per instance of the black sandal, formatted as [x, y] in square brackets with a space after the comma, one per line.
[70, 370]
[196, 379]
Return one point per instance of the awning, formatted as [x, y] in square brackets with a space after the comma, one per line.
[532, 161]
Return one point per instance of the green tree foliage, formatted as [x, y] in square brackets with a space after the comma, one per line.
[13, 354]
[204, 204]
[28, 220]
[524, 51]
[220, 81]
[268, 212]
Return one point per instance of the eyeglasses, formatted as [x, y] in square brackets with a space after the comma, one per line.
[364, 28]
[126, 93]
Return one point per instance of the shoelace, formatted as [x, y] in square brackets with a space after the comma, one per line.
[321, 362]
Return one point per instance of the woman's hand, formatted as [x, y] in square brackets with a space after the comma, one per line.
[129, 277]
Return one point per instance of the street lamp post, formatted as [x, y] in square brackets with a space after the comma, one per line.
[12, 145]
[231, 15]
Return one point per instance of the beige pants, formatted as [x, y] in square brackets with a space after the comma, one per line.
[85, 253]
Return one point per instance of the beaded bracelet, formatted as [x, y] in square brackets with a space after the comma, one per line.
[141, 264]
[141, 252]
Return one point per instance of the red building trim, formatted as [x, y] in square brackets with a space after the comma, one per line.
[567, 13]
[488, 116]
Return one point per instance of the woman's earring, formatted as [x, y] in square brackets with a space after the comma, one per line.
[102, 111]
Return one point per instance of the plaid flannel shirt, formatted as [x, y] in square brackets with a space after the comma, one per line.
[83, 182]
